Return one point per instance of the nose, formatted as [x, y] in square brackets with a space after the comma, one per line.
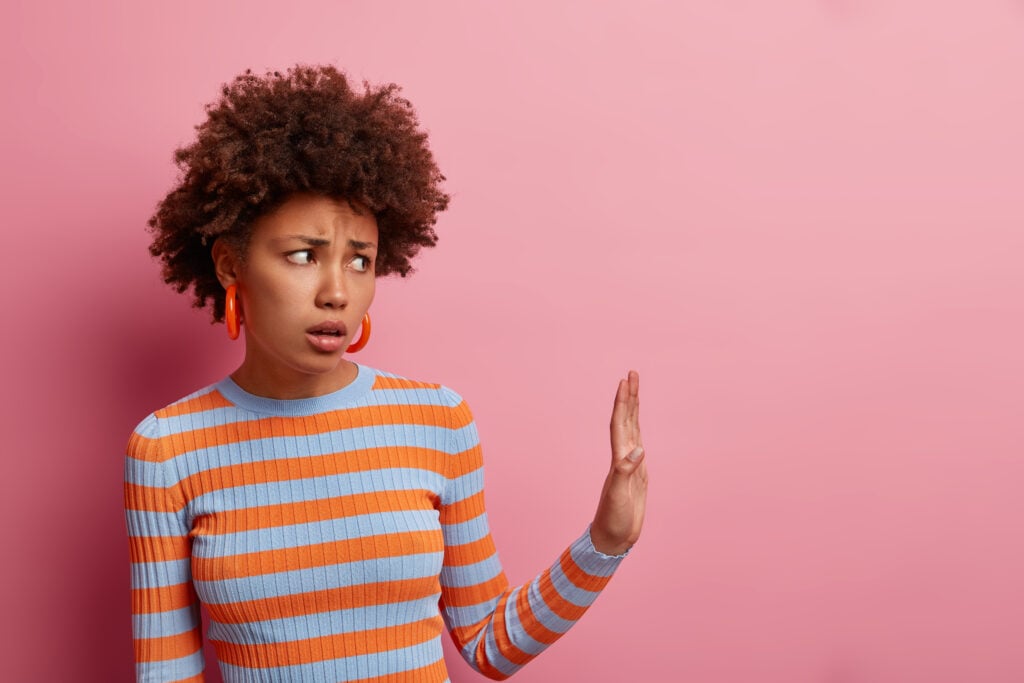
[332, 292]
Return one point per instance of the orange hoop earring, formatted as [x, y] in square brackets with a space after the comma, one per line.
[231, 311]
[364, 336]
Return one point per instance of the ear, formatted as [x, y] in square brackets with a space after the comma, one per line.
[226, 262]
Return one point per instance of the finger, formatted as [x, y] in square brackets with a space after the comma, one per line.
[625, 469]
[635, 386]
[633, 379]
[620, 431]
[628, 465]
[620, 409]
[633, 382]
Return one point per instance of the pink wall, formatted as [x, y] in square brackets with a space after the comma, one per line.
[801, 221]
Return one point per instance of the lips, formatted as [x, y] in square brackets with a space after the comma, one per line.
[327, 336]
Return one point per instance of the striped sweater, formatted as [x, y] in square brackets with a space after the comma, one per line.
[330, 539]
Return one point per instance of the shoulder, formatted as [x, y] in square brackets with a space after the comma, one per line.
[145, 440]
[398, 387]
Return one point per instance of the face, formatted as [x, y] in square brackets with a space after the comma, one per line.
[304, 284]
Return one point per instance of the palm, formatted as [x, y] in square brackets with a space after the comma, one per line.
[620, 512]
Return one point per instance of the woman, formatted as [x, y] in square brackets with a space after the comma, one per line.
[329, 515]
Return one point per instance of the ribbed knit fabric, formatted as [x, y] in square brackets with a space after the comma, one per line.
[331, 539]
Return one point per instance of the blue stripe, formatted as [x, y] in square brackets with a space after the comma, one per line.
[568, 590]
[343, 669]
[494, 656]
[470, 614]
[143, 472]
[410, 396]
[514, 626]
[320, 624]
[592, 561]
[165, 623]
[160, 574]
[544, 615]
[225, 591]
[143, 523]
[465, 532]
[214, 417]
[470, 574]
[172, 669]
[466, 486]
[333, 442]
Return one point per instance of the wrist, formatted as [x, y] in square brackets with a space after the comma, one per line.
[606, 545]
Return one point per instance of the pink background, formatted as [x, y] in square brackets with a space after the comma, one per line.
[801, 221]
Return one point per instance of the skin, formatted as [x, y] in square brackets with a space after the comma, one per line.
[620, 511]
[311, 260]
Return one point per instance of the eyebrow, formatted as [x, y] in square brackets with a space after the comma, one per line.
[321, 242]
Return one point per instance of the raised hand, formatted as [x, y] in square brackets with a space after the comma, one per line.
[620, 512]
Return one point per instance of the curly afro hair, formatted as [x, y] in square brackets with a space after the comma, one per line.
[307, 130]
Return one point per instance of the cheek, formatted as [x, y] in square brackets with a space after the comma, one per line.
[270, 297]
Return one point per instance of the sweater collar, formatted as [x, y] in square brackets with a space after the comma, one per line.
[297, 407]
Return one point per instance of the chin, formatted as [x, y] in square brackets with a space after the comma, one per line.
[321, 366]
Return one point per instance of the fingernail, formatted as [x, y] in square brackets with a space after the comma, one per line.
[635, 453]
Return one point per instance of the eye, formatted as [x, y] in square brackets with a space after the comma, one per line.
[303, 257]
[361, 263]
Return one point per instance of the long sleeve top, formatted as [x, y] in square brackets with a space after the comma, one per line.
[330, 539]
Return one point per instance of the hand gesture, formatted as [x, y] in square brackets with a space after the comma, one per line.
[620, 512]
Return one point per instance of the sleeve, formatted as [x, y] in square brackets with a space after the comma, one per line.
[498, 628]
[166, 624]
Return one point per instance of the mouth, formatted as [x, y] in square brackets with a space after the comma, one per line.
[327, 336]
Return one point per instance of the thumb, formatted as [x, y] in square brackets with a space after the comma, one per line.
[632, 460]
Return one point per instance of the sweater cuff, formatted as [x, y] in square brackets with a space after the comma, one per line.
[593, 560]
[583, 568]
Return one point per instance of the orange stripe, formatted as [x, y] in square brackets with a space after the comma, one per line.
[318, 510]
[505, 645]
[198, 678]
[467, 596]
[556, 603]
[211, 400]
[312, 425]
[580, 578]
[469, 553]
[531, 624]
[485, 667]
[167, 647]
[148, 498]
[464, 510]
[144, 448]
[159, 548]
[315, 555]
[470, 459]
[329, 647]
[401, 383]
[162, 598]
[292, 469]
[313, 602]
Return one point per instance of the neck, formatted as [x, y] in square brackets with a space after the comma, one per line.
[269, 382]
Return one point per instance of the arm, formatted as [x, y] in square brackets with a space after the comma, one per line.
[165, 610]
[498, 629]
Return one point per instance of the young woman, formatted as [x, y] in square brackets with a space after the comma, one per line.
[329, 515]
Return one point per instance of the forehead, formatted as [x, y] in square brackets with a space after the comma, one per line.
[314, 215]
